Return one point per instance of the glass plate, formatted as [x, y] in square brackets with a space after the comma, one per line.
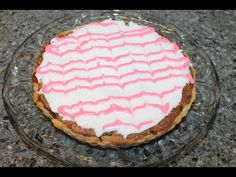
[37, 131]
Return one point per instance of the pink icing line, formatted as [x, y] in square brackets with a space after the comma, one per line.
[118, 122]
[128, 98]
[97, 39]
[125, 33]
[47, 89]
[113, 107]
[90, 80]
[76, 38]
[80, 103]
[39, 69]
[107, 40]
[113, 67]
[49, 48]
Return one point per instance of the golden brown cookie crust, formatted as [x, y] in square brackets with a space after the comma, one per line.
[113, 139]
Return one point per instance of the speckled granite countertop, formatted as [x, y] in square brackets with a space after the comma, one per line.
[215, 31]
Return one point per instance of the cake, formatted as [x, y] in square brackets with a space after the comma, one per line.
[113, 83]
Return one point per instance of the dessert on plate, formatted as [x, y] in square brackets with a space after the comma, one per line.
[113, 83]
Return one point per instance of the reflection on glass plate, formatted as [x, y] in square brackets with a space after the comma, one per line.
[37, 130]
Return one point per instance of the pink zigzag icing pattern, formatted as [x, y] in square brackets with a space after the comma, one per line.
[78, 47]
[116, 58]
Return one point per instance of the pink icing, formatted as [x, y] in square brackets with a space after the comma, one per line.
[73, 40]
[117, 58]
[41, 70]
[181, 67]
[128, 98]
[164, 108]
[90, 80]
[78, 47]
[130, 33]
[83, 43]
[48, 89]
[54, 49]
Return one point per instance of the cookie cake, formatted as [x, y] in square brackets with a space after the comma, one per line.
[113, 83]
